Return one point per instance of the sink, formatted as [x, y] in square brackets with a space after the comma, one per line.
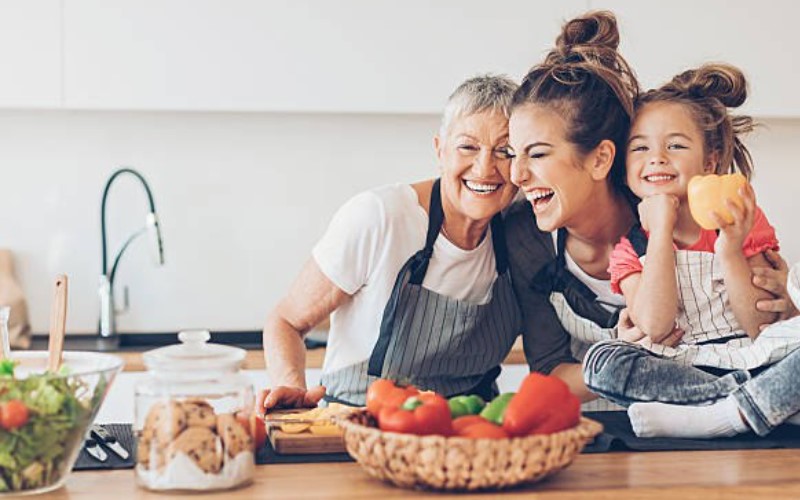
[134, 342]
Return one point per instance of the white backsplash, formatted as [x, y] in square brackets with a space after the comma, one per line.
[242, 198]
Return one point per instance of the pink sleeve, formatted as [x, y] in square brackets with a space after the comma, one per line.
[622, 263]
[762, 237]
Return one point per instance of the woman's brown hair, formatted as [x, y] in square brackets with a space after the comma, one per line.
[708, 92]
[589, 83]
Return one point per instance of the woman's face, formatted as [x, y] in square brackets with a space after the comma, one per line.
[547, 167]
[664, 151]
[475, 165]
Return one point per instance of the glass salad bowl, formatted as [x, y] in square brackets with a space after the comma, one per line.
[44, 416]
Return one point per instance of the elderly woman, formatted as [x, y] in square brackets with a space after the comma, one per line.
[414, 277]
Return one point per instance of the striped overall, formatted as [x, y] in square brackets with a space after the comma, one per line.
[582, 316]
[432, 341]
[713, 337]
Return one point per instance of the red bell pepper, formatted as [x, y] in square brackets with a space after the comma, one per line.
[423, 414]
[385, 392]
[543, 405]
[461, 423]
[567, 418]
[483, 430]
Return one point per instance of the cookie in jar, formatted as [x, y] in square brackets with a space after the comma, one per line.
[193, 414]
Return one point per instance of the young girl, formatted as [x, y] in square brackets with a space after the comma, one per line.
[674, 274]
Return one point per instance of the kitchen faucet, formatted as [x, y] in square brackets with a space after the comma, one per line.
[108, 309]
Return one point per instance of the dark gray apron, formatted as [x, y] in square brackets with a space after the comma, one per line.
[432, 341]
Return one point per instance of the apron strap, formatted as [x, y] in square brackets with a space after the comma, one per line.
[555, 277]
[417, 267]
[499, 244]
[638, 239]
[435, 221]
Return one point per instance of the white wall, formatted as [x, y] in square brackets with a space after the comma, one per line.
[242, 198]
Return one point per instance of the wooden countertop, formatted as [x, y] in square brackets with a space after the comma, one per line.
[741, 474]
[314, 357]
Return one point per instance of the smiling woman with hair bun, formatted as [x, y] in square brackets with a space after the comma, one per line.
[569, 126]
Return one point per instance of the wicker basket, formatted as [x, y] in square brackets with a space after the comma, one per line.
[454, 463]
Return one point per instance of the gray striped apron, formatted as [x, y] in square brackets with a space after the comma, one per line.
[432, 341]
[713, 337]
[580, 313]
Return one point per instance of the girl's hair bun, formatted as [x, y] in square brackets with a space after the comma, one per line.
[719, 81]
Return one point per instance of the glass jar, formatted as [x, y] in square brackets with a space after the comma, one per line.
[194, 417]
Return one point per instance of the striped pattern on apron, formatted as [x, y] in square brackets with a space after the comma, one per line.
[433, 341]
[713, 336]
[585, 319]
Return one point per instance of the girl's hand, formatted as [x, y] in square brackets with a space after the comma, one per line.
[732, 235]
[658, 213]
[288, 397]
[626, 330]
[773, 279]
[629, 332]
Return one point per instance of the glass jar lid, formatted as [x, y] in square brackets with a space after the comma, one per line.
[194, 353]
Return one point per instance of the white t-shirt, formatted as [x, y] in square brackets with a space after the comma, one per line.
[367, 243]
[602, 288]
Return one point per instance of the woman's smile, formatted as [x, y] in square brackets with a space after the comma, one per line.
[540, 198]
[482, 188]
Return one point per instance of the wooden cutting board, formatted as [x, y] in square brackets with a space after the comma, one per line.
[304, 443]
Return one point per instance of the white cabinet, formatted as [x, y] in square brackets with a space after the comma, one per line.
[296, 55]
[660, 39]
[30, 53]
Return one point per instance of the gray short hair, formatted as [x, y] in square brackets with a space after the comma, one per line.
[476, 95]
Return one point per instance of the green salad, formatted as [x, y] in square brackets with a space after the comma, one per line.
[41, 417]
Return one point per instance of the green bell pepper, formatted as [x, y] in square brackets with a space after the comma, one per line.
[495, 410]
[465, 405]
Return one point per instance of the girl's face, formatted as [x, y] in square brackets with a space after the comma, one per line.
[547, 167]
[475, 164]
[665, 150]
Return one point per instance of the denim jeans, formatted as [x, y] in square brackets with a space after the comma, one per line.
[627, 373]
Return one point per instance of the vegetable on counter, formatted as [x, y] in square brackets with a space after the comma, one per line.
[543, 405]
[13, 414]
[483, 430]
[465, 405]
[423, 414]
[385, 393]
[496, 409]
[40, 418]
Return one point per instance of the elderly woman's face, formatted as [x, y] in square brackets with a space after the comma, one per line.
[547, 167]
[475, 164]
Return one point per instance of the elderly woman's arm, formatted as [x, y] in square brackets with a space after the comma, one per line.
[311, 298]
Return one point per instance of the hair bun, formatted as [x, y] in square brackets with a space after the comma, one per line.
[721, 81]
[597, 29]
